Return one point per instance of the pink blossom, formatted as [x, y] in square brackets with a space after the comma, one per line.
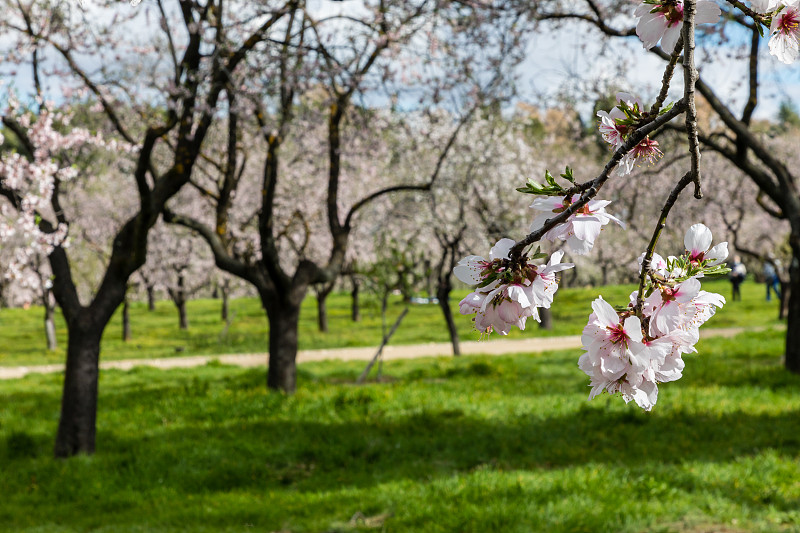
[680, 342]
[657, 265]
[663, 22]
[647, 150]
[705, 305]
[615, 130]
[610, 343]
[473, 268]
[617, 359]
[785, 41]
[545, 284]
[697, 242]
[506, 299]
[609, 130]
[671, 306]
[581, 229]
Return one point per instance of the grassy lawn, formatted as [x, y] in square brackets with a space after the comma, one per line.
[504, 444]
[156, 334]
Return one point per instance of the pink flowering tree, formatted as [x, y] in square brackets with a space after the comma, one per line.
[179, 264]
[314, 88]
[183, 70]
[730, 134]
[31, 173]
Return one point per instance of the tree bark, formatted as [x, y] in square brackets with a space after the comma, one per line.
[178, 297]
[546, 317]
[183, 318]
[355, 309]
[225, 290]
[322, 291]
[49, 322]
[284, 319]
[151, 297]
[786, 292]
[793, 321]
[322, 312]
[443, 294]
[76, 428]
[126, 321]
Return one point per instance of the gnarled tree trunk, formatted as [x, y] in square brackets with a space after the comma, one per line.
[322, 292]
[179, 297]
[284, 320]
[182, 316]
[76, 428]
[355, 306]
[151, 297]
[126, 321]
[225, 289]
[443, 294]
[793, 322]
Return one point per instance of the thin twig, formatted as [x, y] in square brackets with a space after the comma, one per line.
[590, 188]
[689, 80]
[758, 17]
[651, 248]
[667, 78]
[378, 354]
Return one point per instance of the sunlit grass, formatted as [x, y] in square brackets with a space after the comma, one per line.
[472, 444]
[156, 334]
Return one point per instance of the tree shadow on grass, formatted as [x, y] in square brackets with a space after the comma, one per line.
[324, 456]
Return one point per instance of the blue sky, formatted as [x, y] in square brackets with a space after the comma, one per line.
[567, 62]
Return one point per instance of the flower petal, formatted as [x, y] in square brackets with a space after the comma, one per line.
[697, 239]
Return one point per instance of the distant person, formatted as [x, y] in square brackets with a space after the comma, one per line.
[771, 277]
[737, 275]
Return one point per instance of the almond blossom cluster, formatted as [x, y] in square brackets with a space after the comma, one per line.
[633, 350]
[507, 295]
[617, 125]
[29, 182]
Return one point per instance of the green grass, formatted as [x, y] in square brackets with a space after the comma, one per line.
[471, 444]
[156, 334]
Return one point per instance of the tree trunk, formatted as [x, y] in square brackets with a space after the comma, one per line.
[49, 322]
[284, 318]
[151, 297]
[322, 312]
[178, 297]
[76, 428]
[184, 320]
[355, 309]
[443, 294]
[322, 292]
[793, 323]
[126, 321]
[546, 317]
[786, 292]
[225, 289]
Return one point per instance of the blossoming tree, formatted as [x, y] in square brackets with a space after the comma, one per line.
[315, 84]
[202, 45]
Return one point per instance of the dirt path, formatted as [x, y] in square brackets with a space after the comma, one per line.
[494, 347]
